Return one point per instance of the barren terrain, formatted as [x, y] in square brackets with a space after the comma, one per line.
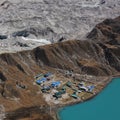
[41, 36]
[50, 20]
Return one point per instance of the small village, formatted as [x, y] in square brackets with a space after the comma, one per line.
[67, 90]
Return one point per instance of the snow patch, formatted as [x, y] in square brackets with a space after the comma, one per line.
[43, 41]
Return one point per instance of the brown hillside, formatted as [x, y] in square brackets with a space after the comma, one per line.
[100, 58]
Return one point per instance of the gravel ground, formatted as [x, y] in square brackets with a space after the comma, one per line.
[52, 20]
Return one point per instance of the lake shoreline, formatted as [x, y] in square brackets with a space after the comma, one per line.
[110, 79]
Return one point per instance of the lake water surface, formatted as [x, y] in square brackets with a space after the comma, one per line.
[105, 106]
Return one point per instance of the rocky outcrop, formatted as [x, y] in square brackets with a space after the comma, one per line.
[107, 32]
[107, 36]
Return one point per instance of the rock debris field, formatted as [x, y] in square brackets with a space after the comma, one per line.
[26, 24]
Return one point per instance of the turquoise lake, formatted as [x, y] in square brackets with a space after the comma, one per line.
[105, 106]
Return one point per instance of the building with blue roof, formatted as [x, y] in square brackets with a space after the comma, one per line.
[91, 88]
[55, 84]
[40, 81]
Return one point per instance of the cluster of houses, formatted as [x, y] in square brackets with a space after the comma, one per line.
[81, 87]
[46, 83]
[41, 79]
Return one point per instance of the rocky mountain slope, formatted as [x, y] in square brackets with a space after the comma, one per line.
[107, 35]
[30, 24]
[98, 56]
